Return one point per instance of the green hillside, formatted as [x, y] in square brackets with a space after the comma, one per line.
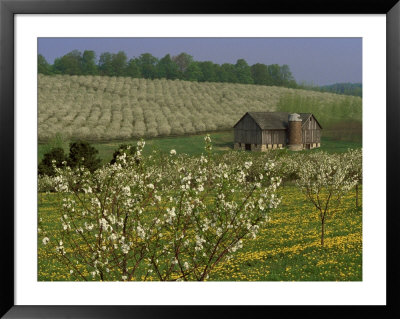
[115, 108]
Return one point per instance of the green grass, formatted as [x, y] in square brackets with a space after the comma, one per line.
[287, 249]
[328, 113]
[189, 144]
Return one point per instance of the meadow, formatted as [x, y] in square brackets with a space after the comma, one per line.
[218, 216]
[287, 249]
[101, 108]
[191, 145]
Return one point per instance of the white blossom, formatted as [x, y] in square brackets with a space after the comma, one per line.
[45, 240]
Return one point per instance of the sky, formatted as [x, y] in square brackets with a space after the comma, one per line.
[318, 61]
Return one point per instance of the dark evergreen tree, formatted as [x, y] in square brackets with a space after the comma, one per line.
[83, 154]
[46, 165]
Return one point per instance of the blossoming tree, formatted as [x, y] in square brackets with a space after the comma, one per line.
[324, 179]
[138, 220]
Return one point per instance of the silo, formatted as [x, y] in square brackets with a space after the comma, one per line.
[295, 134]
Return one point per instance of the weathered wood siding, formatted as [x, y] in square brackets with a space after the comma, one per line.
[311, 131]
[247, 131]
[274, 137]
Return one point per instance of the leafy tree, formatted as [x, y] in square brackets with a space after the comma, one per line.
[275, 74]
[105, 64]
[147, 64]
[129, 227]
[260, 75]
[166, 68]
[183, 61]
[71, 63]
[119, 63]
[243, 72]
[182, 66]
[89, 66]
[226, 73]
[46, 165]
[193, 72]
[325, 179]
[43, 66]
[133, 69]
[83, 154]
[286, 76]
[353, 158]
[208, 71]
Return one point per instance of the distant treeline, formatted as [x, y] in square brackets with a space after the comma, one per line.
[354, 89]
[181, 67]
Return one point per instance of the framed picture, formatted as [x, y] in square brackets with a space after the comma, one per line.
[27, 287]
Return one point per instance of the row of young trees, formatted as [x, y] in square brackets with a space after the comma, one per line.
[106, 108]
[181, 66]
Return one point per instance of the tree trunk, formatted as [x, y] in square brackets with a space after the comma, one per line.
[322, 232]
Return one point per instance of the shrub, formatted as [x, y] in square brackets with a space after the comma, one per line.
[83, 154]
[46, 165]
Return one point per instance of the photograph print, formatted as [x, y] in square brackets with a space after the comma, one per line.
[199, 159]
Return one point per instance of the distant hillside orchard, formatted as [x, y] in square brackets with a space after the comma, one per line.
[108, 108]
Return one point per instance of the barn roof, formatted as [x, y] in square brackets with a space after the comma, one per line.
[274, 120]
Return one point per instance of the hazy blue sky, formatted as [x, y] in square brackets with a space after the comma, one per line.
[313, 60]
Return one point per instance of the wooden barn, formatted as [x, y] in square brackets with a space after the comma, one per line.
[260, 131]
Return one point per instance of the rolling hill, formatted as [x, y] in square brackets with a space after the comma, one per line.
[100, 108]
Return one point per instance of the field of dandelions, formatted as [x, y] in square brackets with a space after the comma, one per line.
[232, 216]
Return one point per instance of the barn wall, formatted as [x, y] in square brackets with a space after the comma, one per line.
[311, 131]
[274, 137]
[247, 131]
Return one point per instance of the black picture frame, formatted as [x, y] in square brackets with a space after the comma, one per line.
[8, 8]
